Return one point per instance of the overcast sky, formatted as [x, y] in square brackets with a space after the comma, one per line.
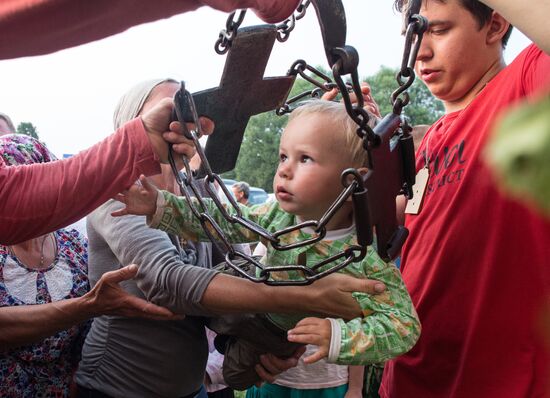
[70, 95]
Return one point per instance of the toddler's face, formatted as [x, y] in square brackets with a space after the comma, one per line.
[311, 159]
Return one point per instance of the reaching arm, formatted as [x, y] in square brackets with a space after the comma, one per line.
[163, 276]
[66, 190]
[530, 17]
[329, 296]
[55, 184]
[28, 324]
[175, 216]
[67, 23]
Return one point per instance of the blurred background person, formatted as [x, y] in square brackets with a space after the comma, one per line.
[6, 125]
[42, 270]
[241, 190]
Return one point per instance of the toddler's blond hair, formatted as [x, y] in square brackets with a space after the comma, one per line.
[336, 111]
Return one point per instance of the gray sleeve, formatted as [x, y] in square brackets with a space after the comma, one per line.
[162, 277]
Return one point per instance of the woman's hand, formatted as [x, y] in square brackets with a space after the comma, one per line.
[108, 298]
[162, 131]
[271, 366]
[332, 295]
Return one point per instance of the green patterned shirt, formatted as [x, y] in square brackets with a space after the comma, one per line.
[389, 326]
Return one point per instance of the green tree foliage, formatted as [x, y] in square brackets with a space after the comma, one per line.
[258, 156]
[27, 128]
[423, 108]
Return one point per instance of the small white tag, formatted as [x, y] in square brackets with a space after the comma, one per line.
[415, 204]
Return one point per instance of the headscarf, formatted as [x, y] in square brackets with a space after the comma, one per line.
[19, 149]
[131, 103]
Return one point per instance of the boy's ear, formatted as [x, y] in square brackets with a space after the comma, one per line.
[498, 26]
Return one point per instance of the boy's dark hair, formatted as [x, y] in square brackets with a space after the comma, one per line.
[480, 11]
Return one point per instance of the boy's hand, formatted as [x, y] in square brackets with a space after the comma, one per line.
[108, 298]
[315, 331]
[140, 199]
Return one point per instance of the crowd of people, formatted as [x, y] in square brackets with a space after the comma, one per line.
[138, 307]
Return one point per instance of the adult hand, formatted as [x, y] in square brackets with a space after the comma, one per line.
[161, 129]
[108, 298]
[331, 295]
[271, 366]
[369, 103]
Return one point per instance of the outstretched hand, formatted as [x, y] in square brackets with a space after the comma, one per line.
[315, 331]
[333, 295]
[108, 298]
[140, 199]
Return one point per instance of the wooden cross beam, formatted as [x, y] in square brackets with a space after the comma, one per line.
[242, 93]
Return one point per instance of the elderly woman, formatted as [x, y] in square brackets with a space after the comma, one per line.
[42, 270]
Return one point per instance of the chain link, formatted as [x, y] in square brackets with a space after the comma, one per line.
[288, 25]
[405, 76]
[324, 85]
[228, 34]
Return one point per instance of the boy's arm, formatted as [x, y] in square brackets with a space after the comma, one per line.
[174, 216]
[531, 18]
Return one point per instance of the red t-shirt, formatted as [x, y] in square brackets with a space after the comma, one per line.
[476, 263]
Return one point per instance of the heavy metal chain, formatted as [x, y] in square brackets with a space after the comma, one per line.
[228, 34]
[354, 188]
[416, 27]
[287, 26]
[325, 84]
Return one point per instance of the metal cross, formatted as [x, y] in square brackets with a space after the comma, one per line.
[242, 93]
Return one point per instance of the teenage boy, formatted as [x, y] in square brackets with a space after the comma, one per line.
[476, 262]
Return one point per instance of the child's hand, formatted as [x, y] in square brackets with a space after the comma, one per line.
[314, 331]
[140, 199]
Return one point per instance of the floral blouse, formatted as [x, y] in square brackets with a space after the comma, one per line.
[44, 369]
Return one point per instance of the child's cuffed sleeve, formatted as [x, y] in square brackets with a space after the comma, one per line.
[389, 327]
[176, 217]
